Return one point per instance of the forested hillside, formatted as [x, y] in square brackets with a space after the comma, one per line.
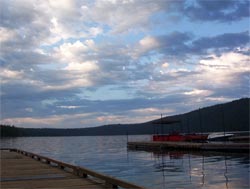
[232, 116]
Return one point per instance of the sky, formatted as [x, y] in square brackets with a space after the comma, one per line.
[85, 63]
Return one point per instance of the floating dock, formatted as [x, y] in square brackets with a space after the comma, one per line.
[216, 146]
[26, 170]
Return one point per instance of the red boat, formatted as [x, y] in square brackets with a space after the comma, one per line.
[171, 137]
[176, 137]
[196, 137]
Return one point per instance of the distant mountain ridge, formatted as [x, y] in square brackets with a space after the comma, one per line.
[231, 116]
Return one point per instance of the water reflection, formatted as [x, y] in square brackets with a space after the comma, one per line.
[204, 169]
[155, 170]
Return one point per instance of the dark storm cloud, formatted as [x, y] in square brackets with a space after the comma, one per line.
[25, 91]
[26, 22]
[24, 60]
[114, 106]
[175, 43]
[59, 107]
[180, 43]
[15, 15]
[226, 40]
[223, 10]
[17, 99]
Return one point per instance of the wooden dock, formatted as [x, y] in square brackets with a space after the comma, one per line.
[222, 146]
[25, 170]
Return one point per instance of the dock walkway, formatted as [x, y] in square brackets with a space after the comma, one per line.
[25, 170]
[219, 146]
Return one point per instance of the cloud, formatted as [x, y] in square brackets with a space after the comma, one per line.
[46, 22]
[20, 13]
[6, 34]
[97, 113]
[27, 21]
[214, 76]
[84, 62]
[29, 121]
[151, 111]
[223, 69]
[198, 92]
[8, 75]
[226, 41]
[75, 51]
[121, 16]
[222, 11]
[83, 67]
[148, 43]
[178, 44]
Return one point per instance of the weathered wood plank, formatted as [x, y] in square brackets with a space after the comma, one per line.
[20, 169]
[50, 183]
[9, 174]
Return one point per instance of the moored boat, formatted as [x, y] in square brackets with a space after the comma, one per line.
[219, 136]
[169, 137]
[195, 137]
[177, 137]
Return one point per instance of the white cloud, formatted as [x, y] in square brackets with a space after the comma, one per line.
[47, 22]
[206, 79]
[54, 121]
[74, 52]
[66, 20]
[122, 16]
[221, 70]
[83, 67]
[198, 92]
[78, 67]
[8, 75]
[26, 121]
[69, 50]
[143, 46]
[63, 7]
[71, 82]
[165, 65]
[6, 34]
[152, 111]
[69, 107]
[116, 119]
[148, 43]
[11, 74]
[219, 99]
[29, 109]
[94, 31]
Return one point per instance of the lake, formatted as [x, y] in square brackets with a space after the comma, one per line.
[162, 170]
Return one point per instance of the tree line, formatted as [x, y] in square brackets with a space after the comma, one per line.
[10, 131]
[231, 116]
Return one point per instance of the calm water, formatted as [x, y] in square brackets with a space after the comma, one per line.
[172, 169]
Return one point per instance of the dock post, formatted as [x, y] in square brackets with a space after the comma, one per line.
[109, 185]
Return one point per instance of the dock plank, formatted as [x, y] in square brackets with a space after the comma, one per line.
[50, 183]
[31, 172]
[19, 171]
[22, 169]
